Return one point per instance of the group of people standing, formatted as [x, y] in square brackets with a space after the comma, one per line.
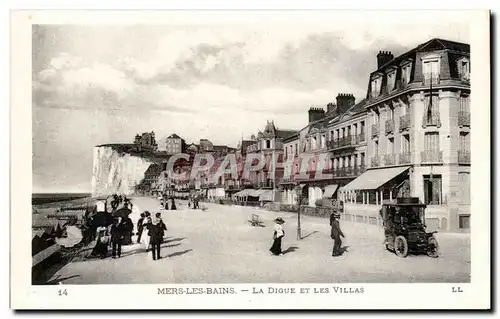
[115, 235]
[165, 200]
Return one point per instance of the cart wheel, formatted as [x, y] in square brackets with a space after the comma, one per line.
[386, 245]
[401, 246]
[433, 248]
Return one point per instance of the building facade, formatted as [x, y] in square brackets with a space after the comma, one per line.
[419, 139]
[146, 142]
[174, 144]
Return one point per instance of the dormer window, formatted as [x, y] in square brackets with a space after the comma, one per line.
[405, 73]
[464, 69]
[376, 85]
[431, 68]
[391, 80]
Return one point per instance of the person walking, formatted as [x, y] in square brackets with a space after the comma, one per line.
[335, 234]
[157, 232]
[147, 227]
[279, 233]
[172, 204]
[140, 228]
[117, 232]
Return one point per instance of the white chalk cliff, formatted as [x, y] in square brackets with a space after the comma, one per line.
[116, 172]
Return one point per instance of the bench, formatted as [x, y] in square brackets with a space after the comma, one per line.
[255, 221]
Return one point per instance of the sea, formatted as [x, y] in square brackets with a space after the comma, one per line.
[45, 198]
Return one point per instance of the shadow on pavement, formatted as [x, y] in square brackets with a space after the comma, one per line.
[290, 249]
[58, 279]
[167, 240]
[179, 253]
[303, 237]
[342, 250]
[166, 246]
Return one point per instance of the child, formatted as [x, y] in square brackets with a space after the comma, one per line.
[279, 233]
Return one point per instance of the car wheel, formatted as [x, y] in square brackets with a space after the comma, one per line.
[401, 247]
[433, 248]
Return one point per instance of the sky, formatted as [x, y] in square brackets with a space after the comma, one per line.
[103, 84]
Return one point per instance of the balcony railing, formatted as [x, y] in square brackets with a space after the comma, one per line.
[390, 159]
[463, 157]
[347, 141]
[405, 158]
[375, 162]
[463, 118]
[404, 122]
[375, 130]
[432, 120]
[430, 79]
[361, 137]
[389, 126]
[431, 156]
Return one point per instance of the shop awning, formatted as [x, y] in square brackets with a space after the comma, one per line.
[330, 190]
[374, 178]
[255, 192]
[242, 193]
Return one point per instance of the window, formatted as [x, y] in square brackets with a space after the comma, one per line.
[431, 142]
[390, 146]
[464, 181]
[391, 80]
[376, 86]
[323, 140]
[375, 148]
[431, 69]
[464, 221]
[464, 141]
[431, 113]
[464, 104]
[433, 189]
[405, 144]
[296, 148]
[362, 127]
[405, 73]
[464, 68]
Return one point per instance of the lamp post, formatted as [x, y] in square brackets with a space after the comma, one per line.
[298, 191]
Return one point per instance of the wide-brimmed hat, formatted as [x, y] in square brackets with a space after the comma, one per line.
[279, 220]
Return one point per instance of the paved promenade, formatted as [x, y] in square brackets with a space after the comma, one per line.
[219, 246]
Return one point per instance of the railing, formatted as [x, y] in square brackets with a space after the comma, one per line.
[375, 162]
[404, 122]
[347, 141]
[375, 130]
[463, 118]
[431, 156]
[389, 126]
[405, 158]
[427, 80]
[390, 159]
[432, 120]
[463, 157]
[361, 138]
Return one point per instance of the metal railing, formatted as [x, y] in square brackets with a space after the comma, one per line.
[427, 79]
[431, 120]
[431, 156]
[375, 162]
[375, 130]
[463, 118]
[389, 126]
[405, 158]
[463, 157]
[404, 122]
[390, 159]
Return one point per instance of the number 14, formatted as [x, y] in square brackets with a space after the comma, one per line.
[62, 292]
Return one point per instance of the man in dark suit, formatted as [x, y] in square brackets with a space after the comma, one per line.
[335, 234]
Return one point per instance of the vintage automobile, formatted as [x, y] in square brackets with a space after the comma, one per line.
[405, 229]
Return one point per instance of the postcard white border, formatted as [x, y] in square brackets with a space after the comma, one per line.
[475, 295]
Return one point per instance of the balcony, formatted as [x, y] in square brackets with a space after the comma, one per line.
[389, 126]
[375, 130]
[430, 79]
[463, 118]
[405, 158]
[361, 138]
[427, 157]
[463, 157]
[347, 141]
[390, 159]
[375, 162]
[404, 122]
[432, 120]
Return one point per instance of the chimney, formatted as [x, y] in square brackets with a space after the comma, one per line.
[344, 102]
[330, 108]
[316, 113]
[383, 57]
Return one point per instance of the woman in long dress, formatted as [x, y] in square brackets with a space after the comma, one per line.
[146, 227]
[279, 233]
